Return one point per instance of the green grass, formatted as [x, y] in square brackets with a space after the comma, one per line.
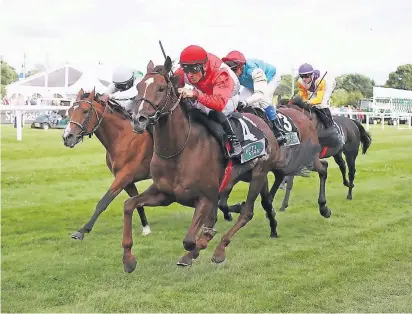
[359, 260]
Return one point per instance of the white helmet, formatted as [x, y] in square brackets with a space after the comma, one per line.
[122, 74]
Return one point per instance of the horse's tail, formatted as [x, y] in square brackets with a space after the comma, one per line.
[298, 157]
[365, 137]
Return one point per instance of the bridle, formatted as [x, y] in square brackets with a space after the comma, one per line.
[83, 127]
[171, 98]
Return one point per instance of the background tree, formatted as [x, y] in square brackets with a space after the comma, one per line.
[401, 78]
[8, 76]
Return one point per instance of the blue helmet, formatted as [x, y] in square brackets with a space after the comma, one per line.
[305, 68]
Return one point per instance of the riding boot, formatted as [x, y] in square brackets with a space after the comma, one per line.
[236, 148]
[277, 128]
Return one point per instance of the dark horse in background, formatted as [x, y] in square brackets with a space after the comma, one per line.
[354, 135]
[128, 154]
[190, 167]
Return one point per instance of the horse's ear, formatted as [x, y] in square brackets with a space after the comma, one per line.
[167, 67]
[92, 93]
[150, 66]
[79, 94]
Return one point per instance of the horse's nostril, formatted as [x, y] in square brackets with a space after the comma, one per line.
[142, 119]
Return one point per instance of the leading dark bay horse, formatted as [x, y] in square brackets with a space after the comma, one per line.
[353, 133]
[190, 167]
[128, 154]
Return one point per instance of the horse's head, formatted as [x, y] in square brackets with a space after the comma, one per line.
[157, 96]
[84, 118]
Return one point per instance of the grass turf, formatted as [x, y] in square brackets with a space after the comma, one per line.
[359, 260]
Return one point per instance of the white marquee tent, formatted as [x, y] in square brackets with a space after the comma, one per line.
[64, 81]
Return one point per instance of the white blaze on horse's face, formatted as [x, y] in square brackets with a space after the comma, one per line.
[149, 81]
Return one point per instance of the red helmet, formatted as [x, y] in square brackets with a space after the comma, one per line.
[235, 57]
[193, 55]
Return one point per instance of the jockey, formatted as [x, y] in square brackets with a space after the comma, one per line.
[259, 81]
[123, 87]
[215, 87]
[320, 91]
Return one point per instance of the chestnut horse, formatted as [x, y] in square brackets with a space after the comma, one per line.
[128, 154]
[188, 166]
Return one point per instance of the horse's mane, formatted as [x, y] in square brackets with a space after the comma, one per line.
[113, 105]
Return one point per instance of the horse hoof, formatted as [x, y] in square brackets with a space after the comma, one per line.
[228, 217]
[184, 261]
[146, 231]
[349, 197]
[283, 208]
[274, 235]
[130, 266]
[78, 235]
[218, 259]
[326, 212]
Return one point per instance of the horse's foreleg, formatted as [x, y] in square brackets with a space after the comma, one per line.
[222, 204]
[117, 186]
[204, 208]
[132, 191]
[321, 166]
[151, 197]
[207, 233]
[351, 161]
[279, 176]
[289, 186]
[246, 214]
[266, 202]
[342, 167]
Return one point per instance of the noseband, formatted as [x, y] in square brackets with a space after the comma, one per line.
[171, 97]
[83, 127]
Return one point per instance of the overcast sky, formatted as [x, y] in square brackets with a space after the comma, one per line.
[371, 37]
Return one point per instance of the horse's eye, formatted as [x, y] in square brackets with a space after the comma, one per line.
[162, 89]
[86, 110]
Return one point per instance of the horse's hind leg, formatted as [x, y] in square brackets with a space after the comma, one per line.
[289, 186]
[321, 167]
[268, 207]
[342, 167]
[132, 191]
[351, 161]
[117, 186]
[246, 214]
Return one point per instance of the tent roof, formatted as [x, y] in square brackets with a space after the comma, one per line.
[56, 77]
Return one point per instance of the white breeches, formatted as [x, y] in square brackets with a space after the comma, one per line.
[330, 86]
[230, 106]
[267, 98]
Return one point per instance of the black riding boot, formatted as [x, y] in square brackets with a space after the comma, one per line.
[278, 132]
[326, 117]
[233, 140]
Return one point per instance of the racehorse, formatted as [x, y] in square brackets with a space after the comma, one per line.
[189, 165]
[128, 154]
[353, 134]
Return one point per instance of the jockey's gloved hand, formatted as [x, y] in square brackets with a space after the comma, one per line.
[104, 97]
[241, 105]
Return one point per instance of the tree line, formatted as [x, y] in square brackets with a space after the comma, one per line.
[350, 88]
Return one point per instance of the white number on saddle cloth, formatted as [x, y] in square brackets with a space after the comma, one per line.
[247, 135]
[286, 124]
